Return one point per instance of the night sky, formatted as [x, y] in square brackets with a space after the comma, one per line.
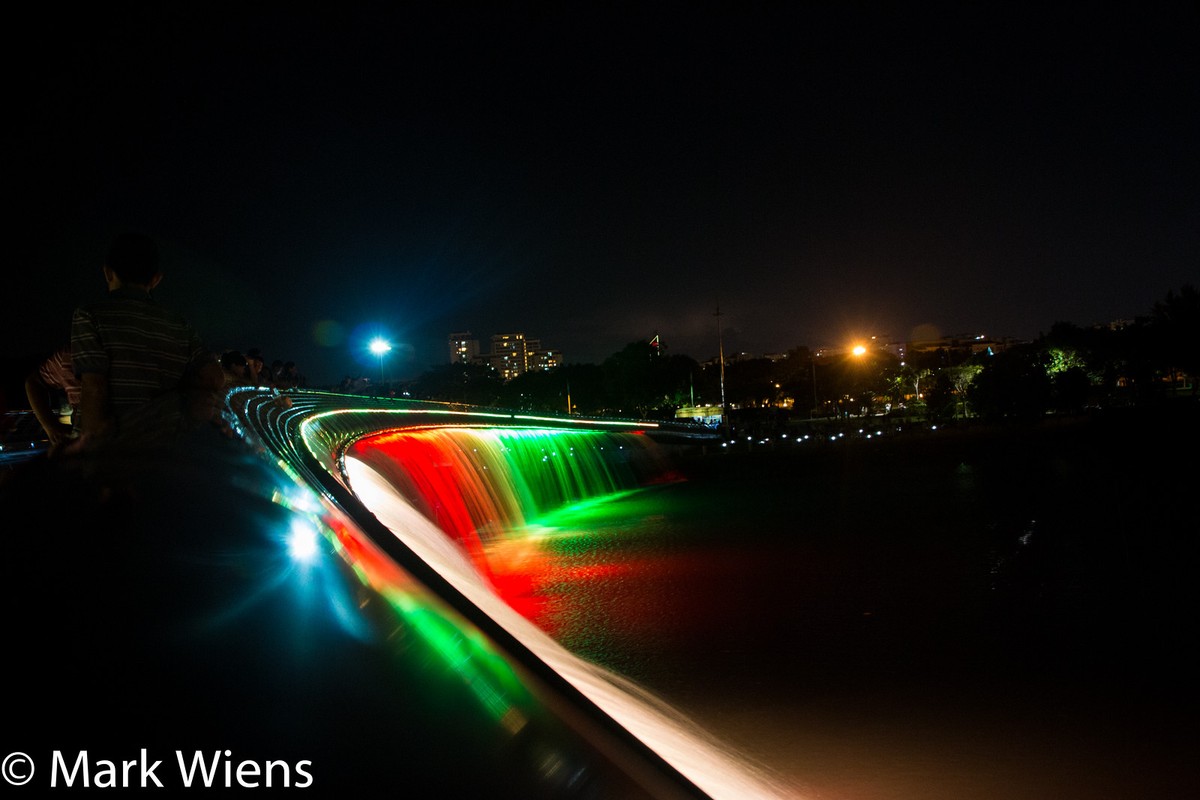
[595, 174]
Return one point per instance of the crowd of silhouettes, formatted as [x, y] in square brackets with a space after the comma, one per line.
[249, 369]
[359, 385]
[133, 372]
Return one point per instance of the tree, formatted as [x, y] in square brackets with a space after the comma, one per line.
[1069, 389]
[909, 377]
[474, 384]
[536, 390]
[866, 376]
[940, 401]
[585, 384]
[640, 381]
[750, 382]
[1012, 385]
[1176, 322]
[1096, 350]
[961, 377]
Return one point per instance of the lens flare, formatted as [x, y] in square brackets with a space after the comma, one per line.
[302, 542]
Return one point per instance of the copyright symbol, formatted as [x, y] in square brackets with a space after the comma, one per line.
[17, 769]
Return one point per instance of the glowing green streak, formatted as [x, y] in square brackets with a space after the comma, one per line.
[521, 474]
[463, 649]
[467, 652]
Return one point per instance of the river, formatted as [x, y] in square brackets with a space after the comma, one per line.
[984, 613]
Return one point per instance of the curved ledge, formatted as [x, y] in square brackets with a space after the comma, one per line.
[311, 432]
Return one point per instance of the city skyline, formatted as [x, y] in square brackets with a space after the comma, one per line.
[317, 179]
[457, 349]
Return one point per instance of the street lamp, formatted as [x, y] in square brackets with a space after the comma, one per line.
[380, 347]
[721, 357]
[813, 362]
[857, 352]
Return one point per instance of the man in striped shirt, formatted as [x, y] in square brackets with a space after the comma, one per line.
[143, 370]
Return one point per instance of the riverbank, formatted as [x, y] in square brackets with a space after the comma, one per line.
[1177, 419]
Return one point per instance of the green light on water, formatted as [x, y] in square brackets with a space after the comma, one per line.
[467, 652]
[597, 509]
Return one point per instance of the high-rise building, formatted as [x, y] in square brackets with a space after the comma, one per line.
[464, 348]
[513, 354]
[510, 354]
[544, 359]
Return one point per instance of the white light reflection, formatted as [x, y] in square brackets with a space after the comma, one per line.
[714, 768]
[302, 542]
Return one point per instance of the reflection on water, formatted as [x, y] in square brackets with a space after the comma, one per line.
[985, 616]
[407, 503]
[980, 617]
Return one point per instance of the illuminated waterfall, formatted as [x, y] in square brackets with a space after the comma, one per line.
[477, 484]
[446, 492]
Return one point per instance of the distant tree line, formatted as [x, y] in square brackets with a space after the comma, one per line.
[1070, 368]
[635, 381]
[1065, 370]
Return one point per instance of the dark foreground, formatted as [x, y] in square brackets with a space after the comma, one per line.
[160, 608]
[995, 613]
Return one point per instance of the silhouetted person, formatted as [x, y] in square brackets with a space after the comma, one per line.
[144, 372]
[55, 375]
[259, 374]
[236, 369]
[289, 377]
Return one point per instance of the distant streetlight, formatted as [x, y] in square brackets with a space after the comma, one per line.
[721, 358]
[380, 347]
[857, 352]
[813, 363]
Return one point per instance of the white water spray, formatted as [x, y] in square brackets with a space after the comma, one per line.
[713, 767]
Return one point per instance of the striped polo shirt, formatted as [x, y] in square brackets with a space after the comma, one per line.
[143, 348]
[58, 372]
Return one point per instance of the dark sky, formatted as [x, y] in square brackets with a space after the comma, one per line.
[595, 174]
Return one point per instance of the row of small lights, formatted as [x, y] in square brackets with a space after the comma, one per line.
[833, 438]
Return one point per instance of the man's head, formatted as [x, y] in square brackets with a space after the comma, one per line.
[234, 364]
[256, 361]
[232, 358]
[133, 261]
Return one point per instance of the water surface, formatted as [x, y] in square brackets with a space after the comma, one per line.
[969, 615]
